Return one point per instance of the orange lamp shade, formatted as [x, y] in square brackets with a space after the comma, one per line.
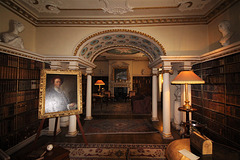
[99, 82]
[187, 77]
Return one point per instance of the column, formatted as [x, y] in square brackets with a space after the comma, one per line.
[154, 94]
[166, 101]
[72, 128]
[51, 122]
[89, 94]
[177, 103]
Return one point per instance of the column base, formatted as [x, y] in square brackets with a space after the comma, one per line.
[88, 118]
[72, 134]
[155, 119]
[167, 135]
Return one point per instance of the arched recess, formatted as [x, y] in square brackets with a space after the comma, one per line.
[100, 42]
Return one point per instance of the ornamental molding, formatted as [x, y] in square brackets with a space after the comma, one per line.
[133, 21]
[116, 6]
[221, 52]
[99, 42]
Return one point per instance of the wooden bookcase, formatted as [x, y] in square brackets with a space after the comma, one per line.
[142, 85]
[19, 94]
[218, 100]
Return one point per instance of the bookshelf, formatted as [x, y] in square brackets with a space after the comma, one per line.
[217, 101]
[142, 85]
[19, 89]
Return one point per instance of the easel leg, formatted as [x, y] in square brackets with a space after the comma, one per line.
[81, 129]
[39, 131]
[55, 127]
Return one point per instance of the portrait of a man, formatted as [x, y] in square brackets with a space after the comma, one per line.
[61, 93]
[57, 99]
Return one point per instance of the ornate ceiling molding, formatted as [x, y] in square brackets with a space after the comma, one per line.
[133, 21]
[116, 6]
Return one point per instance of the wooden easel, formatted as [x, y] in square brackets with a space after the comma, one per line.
[55, 129]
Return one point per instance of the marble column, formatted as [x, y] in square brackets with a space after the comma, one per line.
[51, 122]
[166, 101]
[89, 94]
[154, 94]
[72, 128]
[177, 103]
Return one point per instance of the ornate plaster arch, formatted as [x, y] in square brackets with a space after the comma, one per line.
[102, 41]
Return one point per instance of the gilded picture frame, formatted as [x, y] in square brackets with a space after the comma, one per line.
[60, 93]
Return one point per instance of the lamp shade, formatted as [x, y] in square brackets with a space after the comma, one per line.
[99, 82]
[187, 77]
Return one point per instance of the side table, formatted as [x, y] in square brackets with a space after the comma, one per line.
[187, 124]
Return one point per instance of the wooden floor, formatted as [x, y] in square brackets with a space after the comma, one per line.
[152, 138]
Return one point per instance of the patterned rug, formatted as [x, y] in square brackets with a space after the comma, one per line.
[111, 151]
[118, 126]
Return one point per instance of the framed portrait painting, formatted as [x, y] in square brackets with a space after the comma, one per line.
[60, 93]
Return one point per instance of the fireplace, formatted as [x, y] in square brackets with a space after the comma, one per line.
[120, 93]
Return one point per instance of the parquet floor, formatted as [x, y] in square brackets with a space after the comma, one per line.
[151, 138]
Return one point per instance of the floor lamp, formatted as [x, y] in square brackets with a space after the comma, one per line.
[100, 83]
[187, 77]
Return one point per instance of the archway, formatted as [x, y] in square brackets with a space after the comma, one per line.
[96, 44]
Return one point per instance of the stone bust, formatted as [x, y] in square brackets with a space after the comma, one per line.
[12, 38]
[224, 28]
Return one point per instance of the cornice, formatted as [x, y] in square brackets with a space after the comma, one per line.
[4, 48]
[221, 52]
[130, 22]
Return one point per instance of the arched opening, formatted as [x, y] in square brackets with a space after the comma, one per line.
[123, 50]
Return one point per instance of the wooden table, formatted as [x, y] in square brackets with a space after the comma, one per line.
[101, 98]
[187, 124]
[57, 153]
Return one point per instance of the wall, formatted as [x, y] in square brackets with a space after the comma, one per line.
[29, 33]
[233, 16]
[177, 40]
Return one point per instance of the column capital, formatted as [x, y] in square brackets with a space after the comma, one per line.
[89, 71]
[167, 65]
[155, 71]
[186, 66]
[73, 66]
[55, 65]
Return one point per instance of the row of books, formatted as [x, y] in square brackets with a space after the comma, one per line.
[214, 63]
[218, 97]
[29, 64]
[232, 110]
[218, 107]
[8, 72]
[8, 60]
[24, 85]
[7, 111]
[233, 78]
[220, 88]
[13, 97]
[20, 121]
[27, 95]
[26, 106]
[8, 86]
[216, 79]
[212, 71]
[233, 99]
[29, 74]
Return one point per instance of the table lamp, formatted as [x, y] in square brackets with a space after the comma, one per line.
[187, 77]
[100, 83]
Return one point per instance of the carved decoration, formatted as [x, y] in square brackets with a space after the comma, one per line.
[47, 6]
[188, 5]
[116, 6]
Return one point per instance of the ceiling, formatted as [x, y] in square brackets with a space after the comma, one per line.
[117, 12]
